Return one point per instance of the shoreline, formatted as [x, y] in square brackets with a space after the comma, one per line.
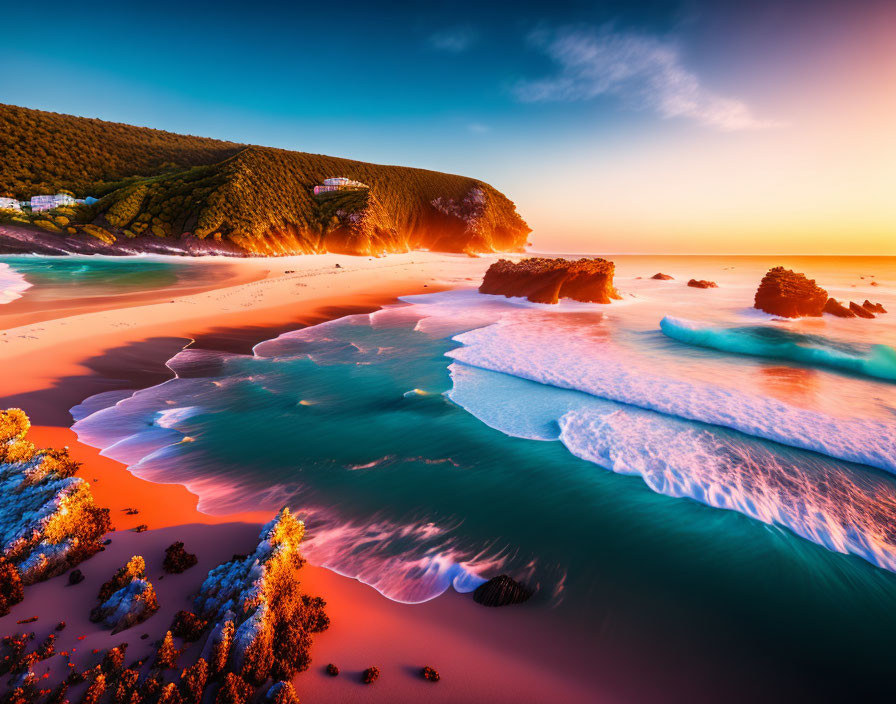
[481, 653]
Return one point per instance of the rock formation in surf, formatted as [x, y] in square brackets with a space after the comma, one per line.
[543, 280]
[789, 294]
[702, 283]
[126, 599]
[873, 307]
[660, 276]
[262, 623]
[836, 308]
[501, 591]
[860, 311]
[48, 521]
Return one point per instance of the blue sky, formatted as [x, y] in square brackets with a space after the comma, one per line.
[523, 95]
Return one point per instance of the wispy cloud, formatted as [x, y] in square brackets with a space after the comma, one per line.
[647, 71]
[478, 128]
[453, 40]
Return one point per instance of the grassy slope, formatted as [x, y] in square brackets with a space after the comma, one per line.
[165, 185]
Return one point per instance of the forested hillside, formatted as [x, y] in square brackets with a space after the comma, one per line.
[259, 199]
[45, 152]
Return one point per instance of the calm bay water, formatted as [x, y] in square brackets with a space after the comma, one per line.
[60, 278]
[722, 486]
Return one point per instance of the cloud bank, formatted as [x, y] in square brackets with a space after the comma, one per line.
[646, 71]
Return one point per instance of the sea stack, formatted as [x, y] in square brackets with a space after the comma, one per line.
[702, 283]
[543, 280]
[790, 295]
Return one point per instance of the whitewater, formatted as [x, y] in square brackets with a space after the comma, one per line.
[786, 423]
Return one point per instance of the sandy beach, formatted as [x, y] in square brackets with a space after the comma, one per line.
[50, 364]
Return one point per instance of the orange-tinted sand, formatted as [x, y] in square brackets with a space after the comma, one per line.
[493, 655]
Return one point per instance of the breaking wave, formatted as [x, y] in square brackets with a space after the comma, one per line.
[12, 284]
[574, 359]
[765, 341]
[842, 507]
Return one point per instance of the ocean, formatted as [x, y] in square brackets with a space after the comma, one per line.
[677, 474]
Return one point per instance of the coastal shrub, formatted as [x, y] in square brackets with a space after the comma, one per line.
[234, 690]
[430, 674]
[48, 226]
[170, 694]
[20, 450]
[134, 569]
[177, 559]
[61, 220]
[14, 425]
[332, 670]
[13, 649]
[370, 675]
[282, 693]
[166, 655]
[125, 687]
[58, 695]
[113, 660]
[126, 206]
[188, 626]
[46, 542]
[95, 690]
[11, 590]
[151, 687]
[47, 647]
[221, 649]
[59, 462]
[100, 233]
[193, 680]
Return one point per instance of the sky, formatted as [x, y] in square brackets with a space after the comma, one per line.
[654, 127]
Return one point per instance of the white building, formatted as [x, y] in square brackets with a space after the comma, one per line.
[339, 183]
[9, 204]
[39, 203]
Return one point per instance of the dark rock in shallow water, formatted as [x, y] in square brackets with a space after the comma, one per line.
[838, 309]
[789, 294]
[702, 283]
[75, 577]
[873, 307]
[501, 591]
[859, 310]
[662, 277]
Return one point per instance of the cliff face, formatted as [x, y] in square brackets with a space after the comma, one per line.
[48, 521]
[789, 294]
[544, 280]
[252, 200]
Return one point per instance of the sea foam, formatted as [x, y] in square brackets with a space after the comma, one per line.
[12, 284]
[842, 507]
[587, 360]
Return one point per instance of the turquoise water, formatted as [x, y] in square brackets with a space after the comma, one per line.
[664, 497]
[53, 278]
